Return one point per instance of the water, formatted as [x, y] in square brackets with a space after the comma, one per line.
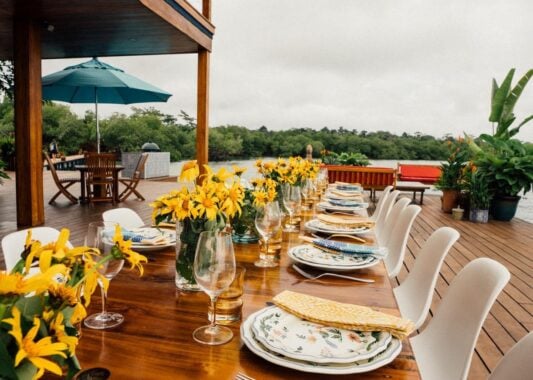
[525, 206]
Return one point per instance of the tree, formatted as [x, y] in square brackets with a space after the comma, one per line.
[7, 78]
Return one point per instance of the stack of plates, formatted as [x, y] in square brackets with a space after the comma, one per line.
[140, 236]
[316, 225]
[286, 340]
[315, 257]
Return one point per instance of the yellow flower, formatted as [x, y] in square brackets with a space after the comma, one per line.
[189, 172]
[221, 176]
[124, 247]
[63, 294]
[35, 351]
[78, 314]
[232, 204]
[91, 278]
[16, 283]
[260, 198]
[57, 327]
[238, 171]
[206, 204]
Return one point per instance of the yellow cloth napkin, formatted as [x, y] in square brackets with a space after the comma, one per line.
[342, 315]
[346, 220]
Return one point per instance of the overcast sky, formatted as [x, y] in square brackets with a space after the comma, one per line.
[396, 65]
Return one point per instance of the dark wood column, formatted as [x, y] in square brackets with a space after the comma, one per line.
[202, 119]
[28, 115]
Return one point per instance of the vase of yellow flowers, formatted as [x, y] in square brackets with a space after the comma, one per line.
[206, 202]
[39, 310]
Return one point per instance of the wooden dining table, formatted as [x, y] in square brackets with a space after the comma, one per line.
[155, 341]
[83, 179]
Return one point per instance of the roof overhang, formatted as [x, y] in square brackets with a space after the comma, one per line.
[81, 28]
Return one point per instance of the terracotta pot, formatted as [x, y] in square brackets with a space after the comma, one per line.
[449, 199]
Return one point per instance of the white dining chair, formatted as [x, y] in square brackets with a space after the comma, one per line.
[517, 364]
[13, 244]
[383, 233]
[398, 240]
[385, 211]
[443, 350]
[124, 216]
[379, 205]
[415, 293]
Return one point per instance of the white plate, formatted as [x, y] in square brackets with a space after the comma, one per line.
[317, 258]
[150, 231]
[382, 359]
[318, 226]
[293, 337]
[329, 207]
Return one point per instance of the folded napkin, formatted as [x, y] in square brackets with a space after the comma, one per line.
[350, 221]
[350, 248]
[342, 315]
[338, 194]
[348, 186]
[345, 202]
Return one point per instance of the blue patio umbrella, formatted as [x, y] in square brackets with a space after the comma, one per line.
[97, 82]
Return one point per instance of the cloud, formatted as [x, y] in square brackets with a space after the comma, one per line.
[402, 66]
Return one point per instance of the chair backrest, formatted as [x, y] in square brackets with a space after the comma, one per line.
[383, 233]
[126, 217]
[385, 210]
[398, 240]
[140, 166]
[443, 350]
[13, 244]
[52, 169]
[382, 199]
[517, 364]
[100, 165]
[415, 293]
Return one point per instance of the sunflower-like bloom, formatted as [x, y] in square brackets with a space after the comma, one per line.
[260, 198]
[33, 351]
[17, 284]
[57, 328]
[221, 176]
[232, 203]
[190, 171]
[92, 276]
[62, 294]
[238, 171]
[78, 314]
[126, 252]
[206, 203]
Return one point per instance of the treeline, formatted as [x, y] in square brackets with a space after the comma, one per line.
[177, 135]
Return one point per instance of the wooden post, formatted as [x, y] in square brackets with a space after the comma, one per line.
[28, 115]
[202, 119]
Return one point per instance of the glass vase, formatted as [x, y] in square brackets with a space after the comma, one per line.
[186, 240]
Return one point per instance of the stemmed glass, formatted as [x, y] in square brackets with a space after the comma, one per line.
[100, 235]
[214, 270]
[291, 200]
[267, 223]
[323, 179]
[308, 190]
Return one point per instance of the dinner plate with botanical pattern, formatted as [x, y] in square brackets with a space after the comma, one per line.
[147, 233]
[385, 357]
[315, 257]
[291, 336]
[318, 226]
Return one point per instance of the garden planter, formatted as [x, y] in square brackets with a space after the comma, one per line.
[479, 216]
[450, 199]
[504, 207]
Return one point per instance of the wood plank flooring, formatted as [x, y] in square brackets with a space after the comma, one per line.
[510, 243]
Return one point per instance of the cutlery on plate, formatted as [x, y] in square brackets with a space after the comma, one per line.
[313, 277]
[242, 376]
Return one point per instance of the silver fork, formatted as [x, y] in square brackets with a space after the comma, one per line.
[313, 277]
[242, 376]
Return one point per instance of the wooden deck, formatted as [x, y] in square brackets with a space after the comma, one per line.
[509, 243]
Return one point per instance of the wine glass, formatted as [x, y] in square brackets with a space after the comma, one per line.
[100, 235]
[323, 179]
[308, 190]
[214, 271]
[267, 223]
[291, 200]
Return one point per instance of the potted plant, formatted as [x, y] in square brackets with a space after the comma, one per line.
[3, 174]
[450, 178]
[506, 163]
[479, 198]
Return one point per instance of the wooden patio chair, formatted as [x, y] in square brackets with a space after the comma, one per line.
[62, 183]
[131, 183]
[99, 182]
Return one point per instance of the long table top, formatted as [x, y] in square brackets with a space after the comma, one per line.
[155, 341]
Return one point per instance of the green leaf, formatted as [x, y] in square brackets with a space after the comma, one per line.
[26, 370]
[7, 369]
[30, 306]
[515, 130]
[515, 93]
[500, 96]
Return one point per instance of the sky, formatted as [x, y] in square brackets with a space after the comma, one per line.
[390, 65]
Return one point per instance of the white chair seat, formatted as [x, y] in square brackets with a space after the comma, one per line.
[124, 216]
[517, 364]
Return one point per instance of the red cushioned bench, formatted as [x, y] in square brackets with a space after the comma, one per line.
[427, 174]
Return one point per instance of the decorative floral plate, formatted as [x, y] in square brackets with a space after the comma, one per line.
[318, 226]
[315, 257]
[296, 338]
[388, 355]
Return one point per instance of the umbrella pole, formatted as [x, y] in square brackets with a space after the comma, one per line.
[97, 123]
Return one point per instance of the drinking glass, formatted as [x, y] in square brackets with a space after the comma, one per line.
[308, 190]
[267, 223]
[100, 235]
[323, 179]
[214, 270]
[291, 200]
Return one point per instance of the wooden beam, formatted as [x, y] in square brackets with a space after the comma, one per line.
[202, 119]
[28, 115]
